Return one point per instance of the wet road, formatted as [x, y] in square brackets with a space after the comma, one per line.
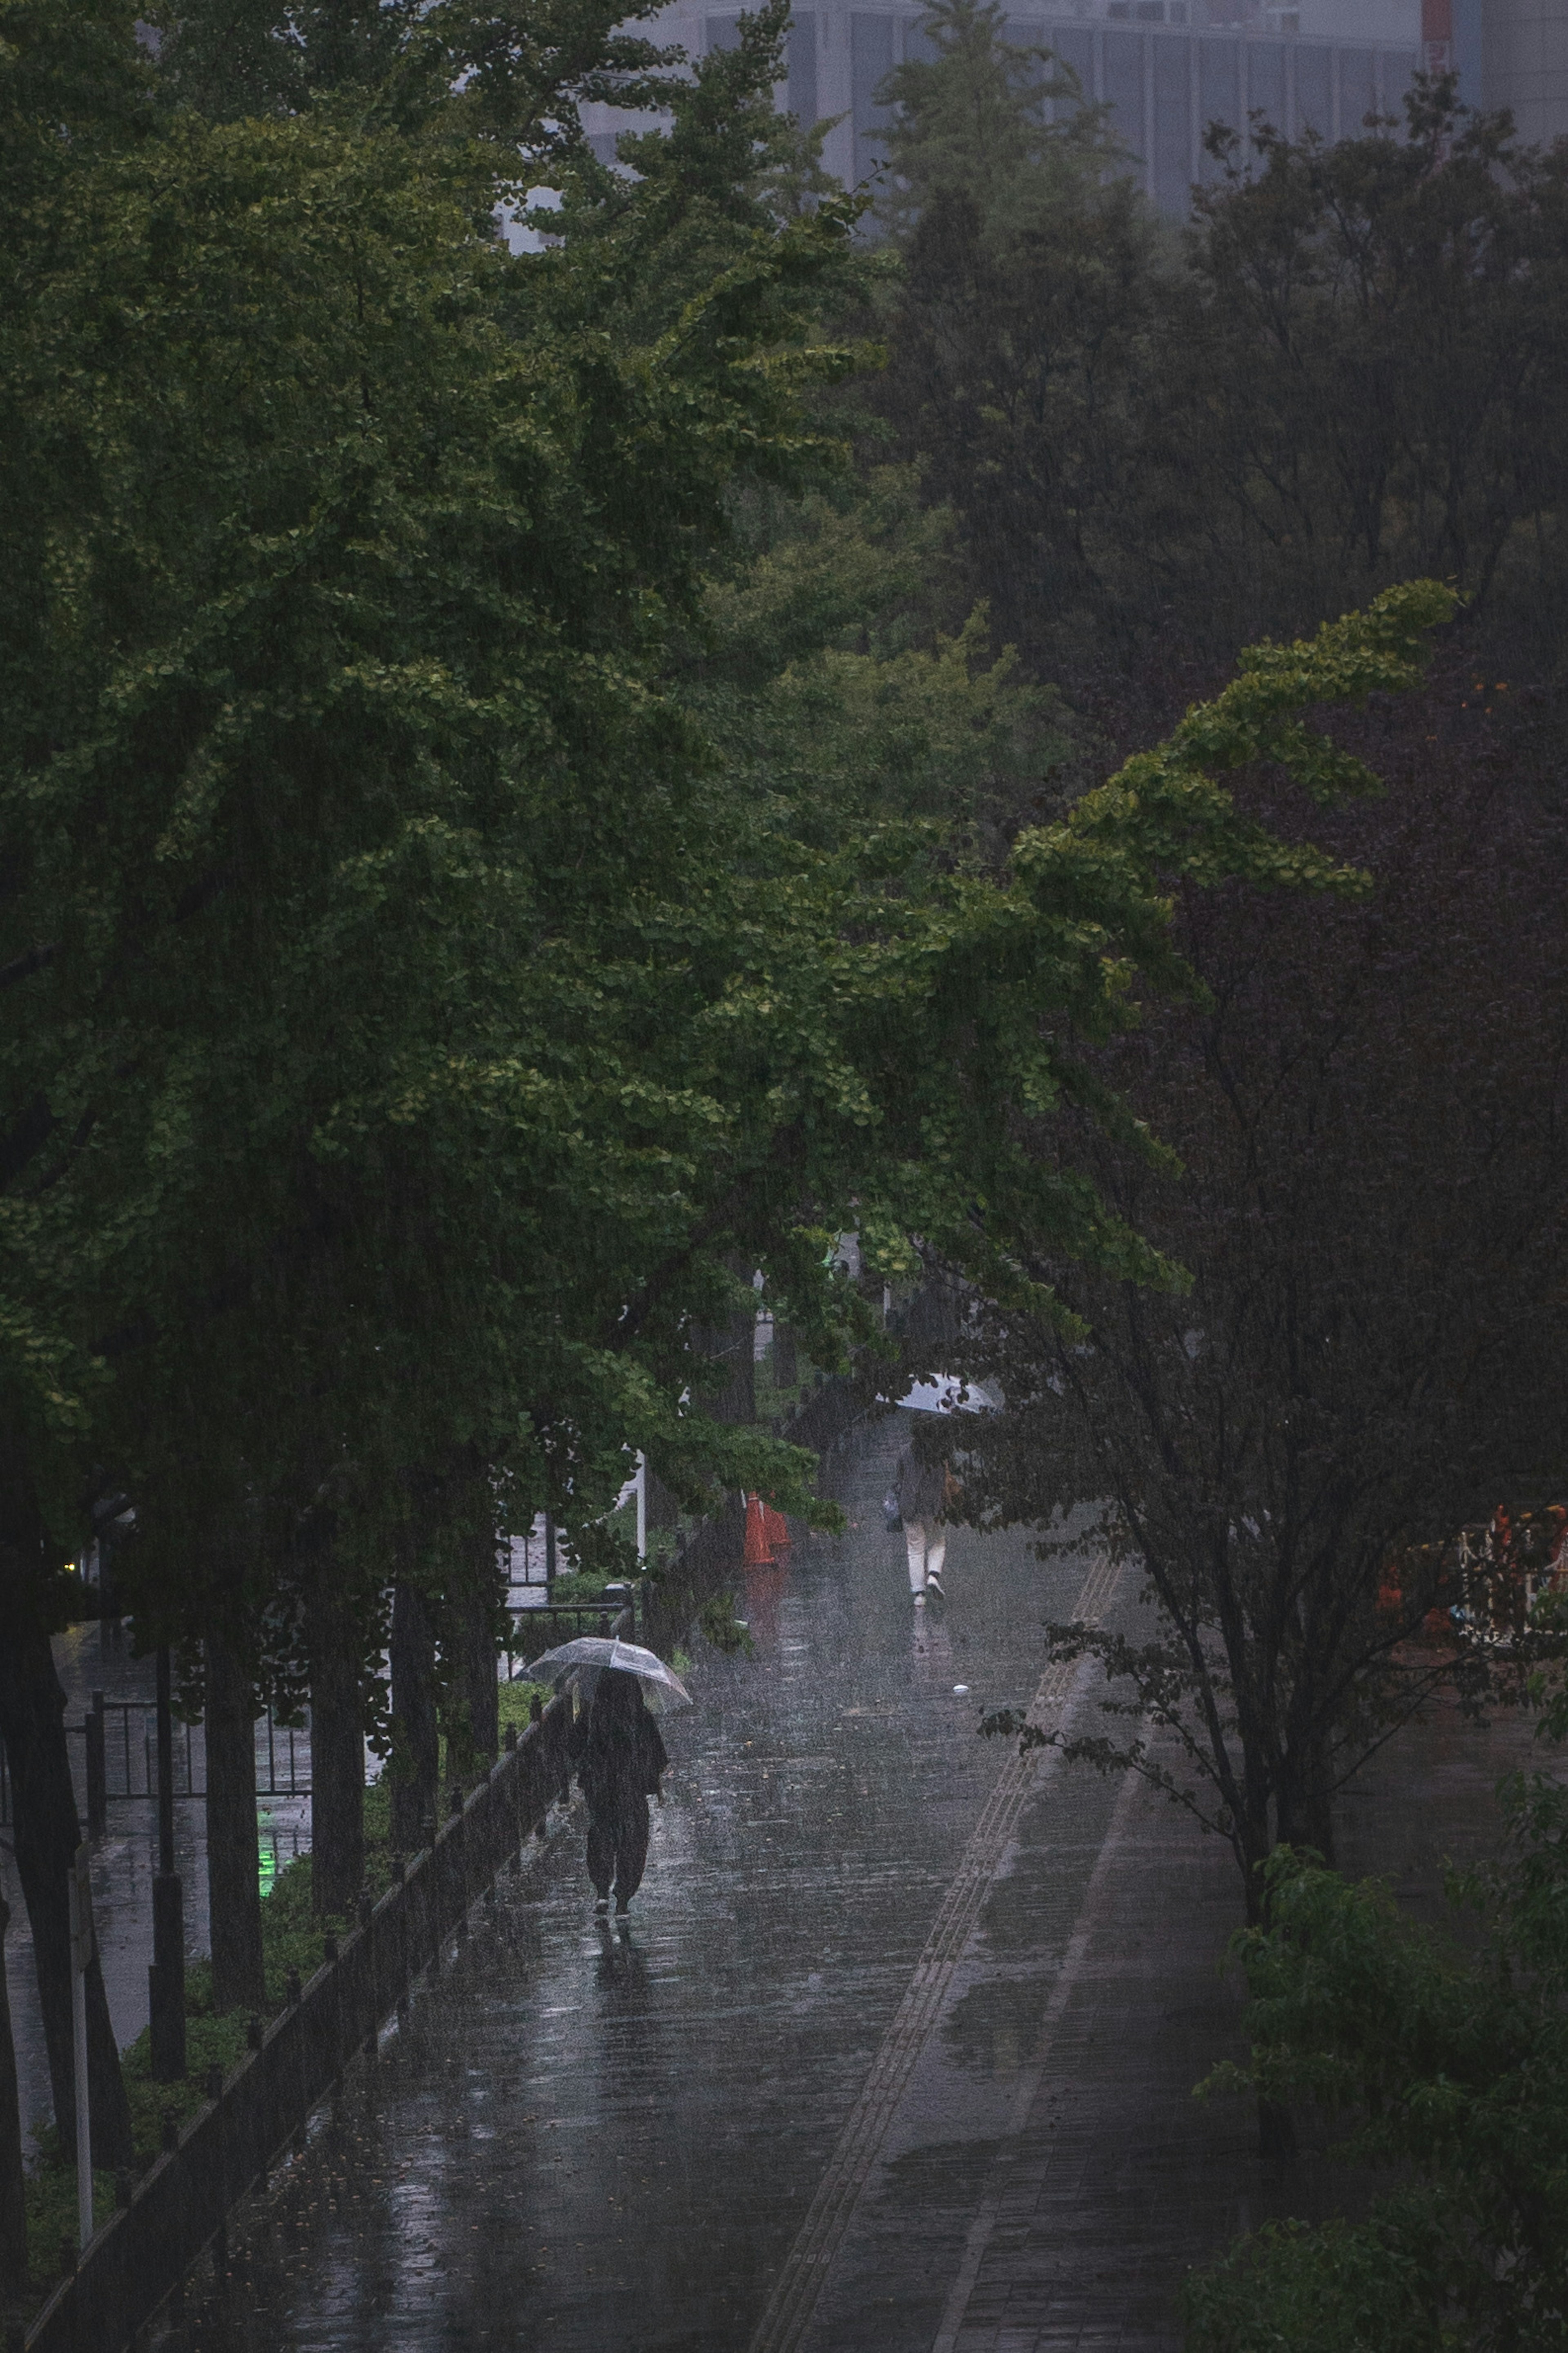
[578, 2142]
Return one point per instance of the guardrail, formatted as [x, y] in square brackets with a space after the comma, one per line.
[180, 2204]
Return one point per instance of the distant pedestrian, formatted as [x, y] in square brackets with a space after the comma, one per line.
[619, 1757]
[922, 1490]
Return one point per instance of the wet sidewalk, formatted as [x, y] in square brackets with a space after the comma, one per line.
[577, 2143]
[898, 2052]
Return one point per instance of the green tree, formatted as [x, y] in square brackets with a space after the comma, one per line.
[339, 803]
[515, 77]
[1366, 1102]
[1343, 375]
[407, 1030]
[1020, 329]
[1362, 369]
[825, 675]
[1448, 2062]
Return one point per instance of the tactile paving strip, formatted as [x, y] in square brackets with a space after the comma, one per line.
[796, 2291]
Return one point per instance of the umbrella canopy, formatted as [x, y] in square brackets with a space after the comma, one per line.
[947, 1393]
[588, 1656]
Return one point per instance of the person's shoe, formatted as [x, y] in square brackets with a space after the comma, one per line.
[934, 1583]
[603, 1904]
[920, 1601]
[623, 1906]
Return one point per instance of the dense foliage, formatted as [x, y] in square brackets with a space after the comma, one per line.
[1367, 1103]
[1449, 2066]
[1342, 373]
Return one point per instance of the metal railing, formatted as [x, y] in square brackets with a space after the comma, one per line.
[119, 1759]
[541, 1627]
[255, 2110]
[120, 1740]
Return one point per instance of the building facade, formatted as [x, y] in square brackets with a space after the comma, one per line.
[1166, 68]
[1514, 53]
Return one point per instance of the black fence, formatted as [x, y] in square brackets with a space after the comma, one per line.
[119, 1759]
[136, 2260]
[541, 1628]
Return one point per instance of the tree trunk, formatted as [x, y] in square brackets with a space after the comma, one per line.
[1305, 1813]
[234, 1891]
[1276, 2128]
[786, 1366]
[416, 1749]
[732, 1347]
[47, 1833]
[481, 1692]
[337, 1756]
[1310, 1803]
[663, 1511]
[12, 2202]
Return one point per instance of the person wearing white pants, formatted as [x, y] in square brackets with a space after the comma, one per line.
[921, 1492]
[927, 1550]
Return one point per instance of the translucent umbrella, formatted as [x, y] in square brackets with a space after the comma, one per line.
[947, 1393]
[589, 1654]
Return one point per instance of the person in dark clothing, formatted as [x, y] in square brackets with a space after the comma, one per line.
[620, 1757]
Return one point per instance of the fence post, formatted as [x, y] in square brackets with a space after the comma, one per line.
[457, 1845]
[97, 1769]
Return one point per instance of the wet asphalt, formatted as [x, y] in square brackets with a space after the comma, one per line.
[580, 2141]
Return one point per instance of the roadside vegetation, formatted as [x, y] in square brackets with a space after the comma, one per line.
[547, 775]
[1440, 2057]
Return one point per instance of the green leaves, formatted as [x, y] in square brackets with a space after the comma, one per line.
[1164, 812]
[1452, 2068]
[344, 811]
[448, 934]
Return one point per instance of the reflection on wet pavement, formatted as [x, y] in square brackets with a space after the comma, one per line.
[584, 2141]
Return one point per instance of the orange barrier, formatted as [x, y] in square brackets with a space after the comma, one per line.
[775, 1528]
[759, 1552]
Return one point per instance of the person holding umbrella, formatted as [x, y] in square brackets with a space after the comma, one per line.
[617, 1749]
[922, 1491]
[620, 1758]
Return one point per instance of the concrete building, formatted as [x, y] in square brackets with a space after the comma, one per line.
[1514, 53]
[1167, 67]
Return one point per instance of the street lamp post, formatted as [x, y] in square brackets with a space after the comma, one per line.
[166, 1978]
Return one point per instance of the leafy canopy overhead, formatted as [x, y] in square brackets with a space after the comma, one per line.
[407, 1028]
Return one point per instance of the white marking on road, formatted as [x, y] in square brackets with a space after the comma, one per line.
[1029, 2081]
[805, 2267]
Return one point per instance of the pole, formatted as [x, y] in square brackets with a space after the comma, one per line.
[166, 1978]
[97, 1769]
[165, 1768]
[80, 1889]
[642, 1506]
